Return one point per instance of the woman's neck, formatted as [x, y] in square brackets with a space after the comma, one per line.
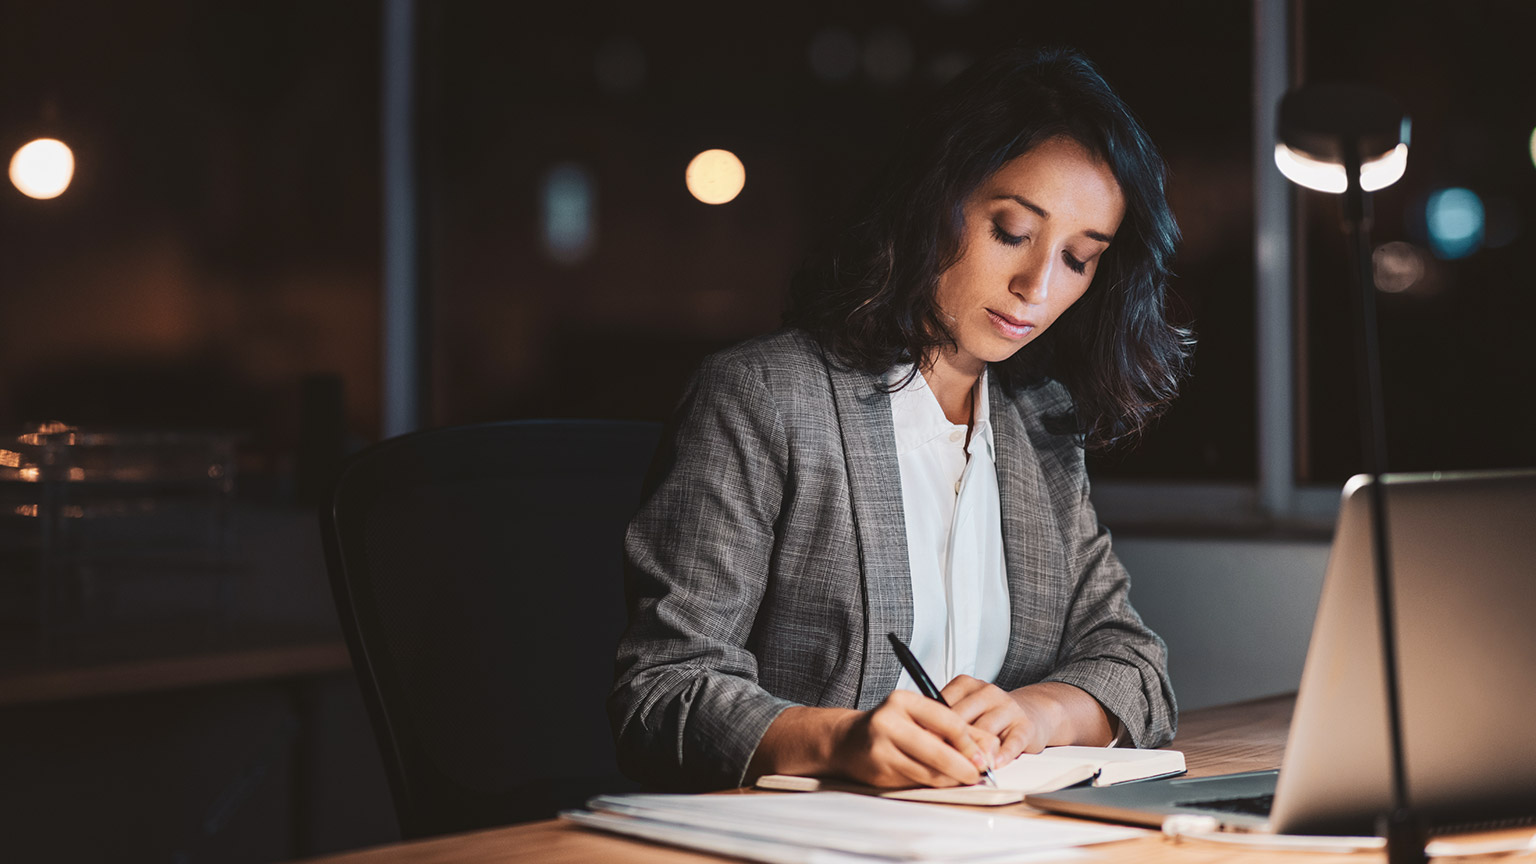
[954, 386]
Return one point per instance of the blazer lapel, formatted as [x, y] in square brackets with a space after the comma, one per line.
[874, 486]
[1031, 539]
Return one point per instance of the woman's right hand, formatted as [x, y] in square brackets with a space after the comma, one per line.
[911, 740]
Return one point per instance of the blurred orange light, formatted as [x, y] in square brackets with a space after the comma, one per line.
[43, 168]
[52, 432]
[716, 176]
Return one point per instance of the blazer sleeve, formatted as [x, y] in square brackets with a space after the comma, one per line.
[686, 708]
[1106, 650]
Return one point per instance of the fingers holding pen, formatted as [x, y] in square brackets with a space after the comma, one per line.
[940, 719]
[1003, 714]
[911, 739]
[976, 745]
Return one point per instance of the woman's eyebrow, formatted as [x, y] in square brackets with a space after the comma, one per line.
[1030, 205]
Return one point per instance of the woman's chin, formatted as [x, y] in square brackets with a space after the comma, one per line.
[998, 350]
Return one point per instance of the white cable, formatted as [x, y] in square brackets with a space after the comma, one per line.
[1183, 826]
[1449, 849]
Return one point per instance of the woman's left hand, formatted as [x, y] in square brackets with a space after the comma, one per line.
[1031, 718]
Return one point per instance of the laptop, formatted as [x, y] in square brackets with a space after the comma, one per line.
[1464, 575]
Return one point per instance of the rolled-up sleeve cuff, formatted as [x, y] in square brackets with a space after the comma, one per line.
[1117, 687]
[723, 740]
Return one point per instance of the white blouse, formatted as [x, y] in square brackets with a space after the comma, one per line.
[954, 526]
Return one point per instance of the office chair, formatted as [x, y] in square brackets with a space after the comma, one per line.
[478, 577]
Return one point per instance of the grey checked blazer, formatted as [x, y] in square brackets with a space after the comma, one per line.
[769, 562]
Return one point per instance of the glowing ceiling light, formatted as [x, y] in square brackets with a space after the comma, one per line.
[43, 168]
[715, 176]
[1379, 173]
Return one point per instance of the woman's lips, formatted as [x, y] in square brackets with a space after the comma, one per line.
[1009, 326]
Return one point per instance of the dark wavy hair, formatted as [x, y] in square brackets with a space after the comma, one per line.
[867, 295]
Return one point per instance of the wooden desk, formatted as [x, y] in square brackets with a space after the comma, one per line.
[1242, 737]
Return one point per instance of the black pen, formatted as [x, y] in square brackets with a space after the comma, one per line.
[925, 684]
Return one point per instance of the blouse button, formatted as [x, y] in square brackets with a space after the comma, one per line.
[956, 435]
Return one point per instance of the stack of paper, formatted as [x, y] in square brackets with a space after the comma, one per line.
[834, 827]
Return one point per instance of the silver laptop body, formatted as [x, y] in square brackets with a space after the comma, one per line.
[1464, 575]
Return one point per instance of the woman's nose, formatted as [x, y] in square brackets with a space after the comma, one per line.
[1032, 282]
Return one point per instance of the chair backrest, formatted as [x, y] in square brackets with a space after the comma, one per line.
[478, 576]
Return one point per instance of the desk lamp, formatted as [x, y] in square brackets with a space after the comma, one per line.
[1351, 139]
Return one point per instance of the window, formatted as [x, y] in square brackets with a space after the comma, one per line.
[219, 243]
[808, 96]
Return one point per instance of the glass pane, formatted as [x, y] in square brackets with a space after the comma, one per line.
[215, 259]
[808, 95]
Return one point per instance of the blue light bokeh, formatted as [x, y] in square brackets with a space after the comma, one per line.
[1455, 219]
[567, 215]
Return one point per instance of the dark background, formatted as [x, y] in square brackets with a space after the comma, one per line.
[221, 240]
[216, 266]
[1457, 364]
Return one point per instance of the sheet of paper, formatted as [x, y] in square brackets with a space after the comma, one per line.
[857, 824]
[779, 852]
[975, 796]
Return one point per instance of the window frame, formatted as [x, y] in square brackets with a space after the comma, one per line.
[1276, 501]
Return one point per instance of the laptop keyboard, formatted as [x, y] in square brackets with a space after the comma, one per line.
[1252, 805]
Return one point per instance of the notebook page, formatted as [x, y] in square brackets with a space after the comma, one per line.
[1025, 775]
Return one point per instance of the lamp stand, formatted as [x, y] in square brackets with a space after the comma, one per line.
[1403, 833]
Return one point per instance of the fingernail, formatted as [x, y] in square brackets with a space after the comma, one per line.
[979, 759]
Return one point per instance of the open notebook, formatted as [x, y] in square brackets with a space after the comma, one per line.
[1052, 769]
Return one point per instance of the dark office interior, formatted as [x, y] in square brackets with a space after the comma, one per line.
[205, 307]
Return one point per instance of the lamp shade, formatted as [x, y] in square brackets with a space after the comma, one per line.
[1320, 124]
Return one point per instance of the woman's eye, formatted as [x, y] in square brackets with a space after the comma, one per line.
[1075, 265]
[1004, 237]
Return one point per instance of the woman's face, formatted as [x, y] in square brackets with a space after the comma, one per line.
[1034, 234]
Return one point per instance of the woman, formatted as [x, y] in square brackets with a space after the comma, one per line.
[907, 457]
